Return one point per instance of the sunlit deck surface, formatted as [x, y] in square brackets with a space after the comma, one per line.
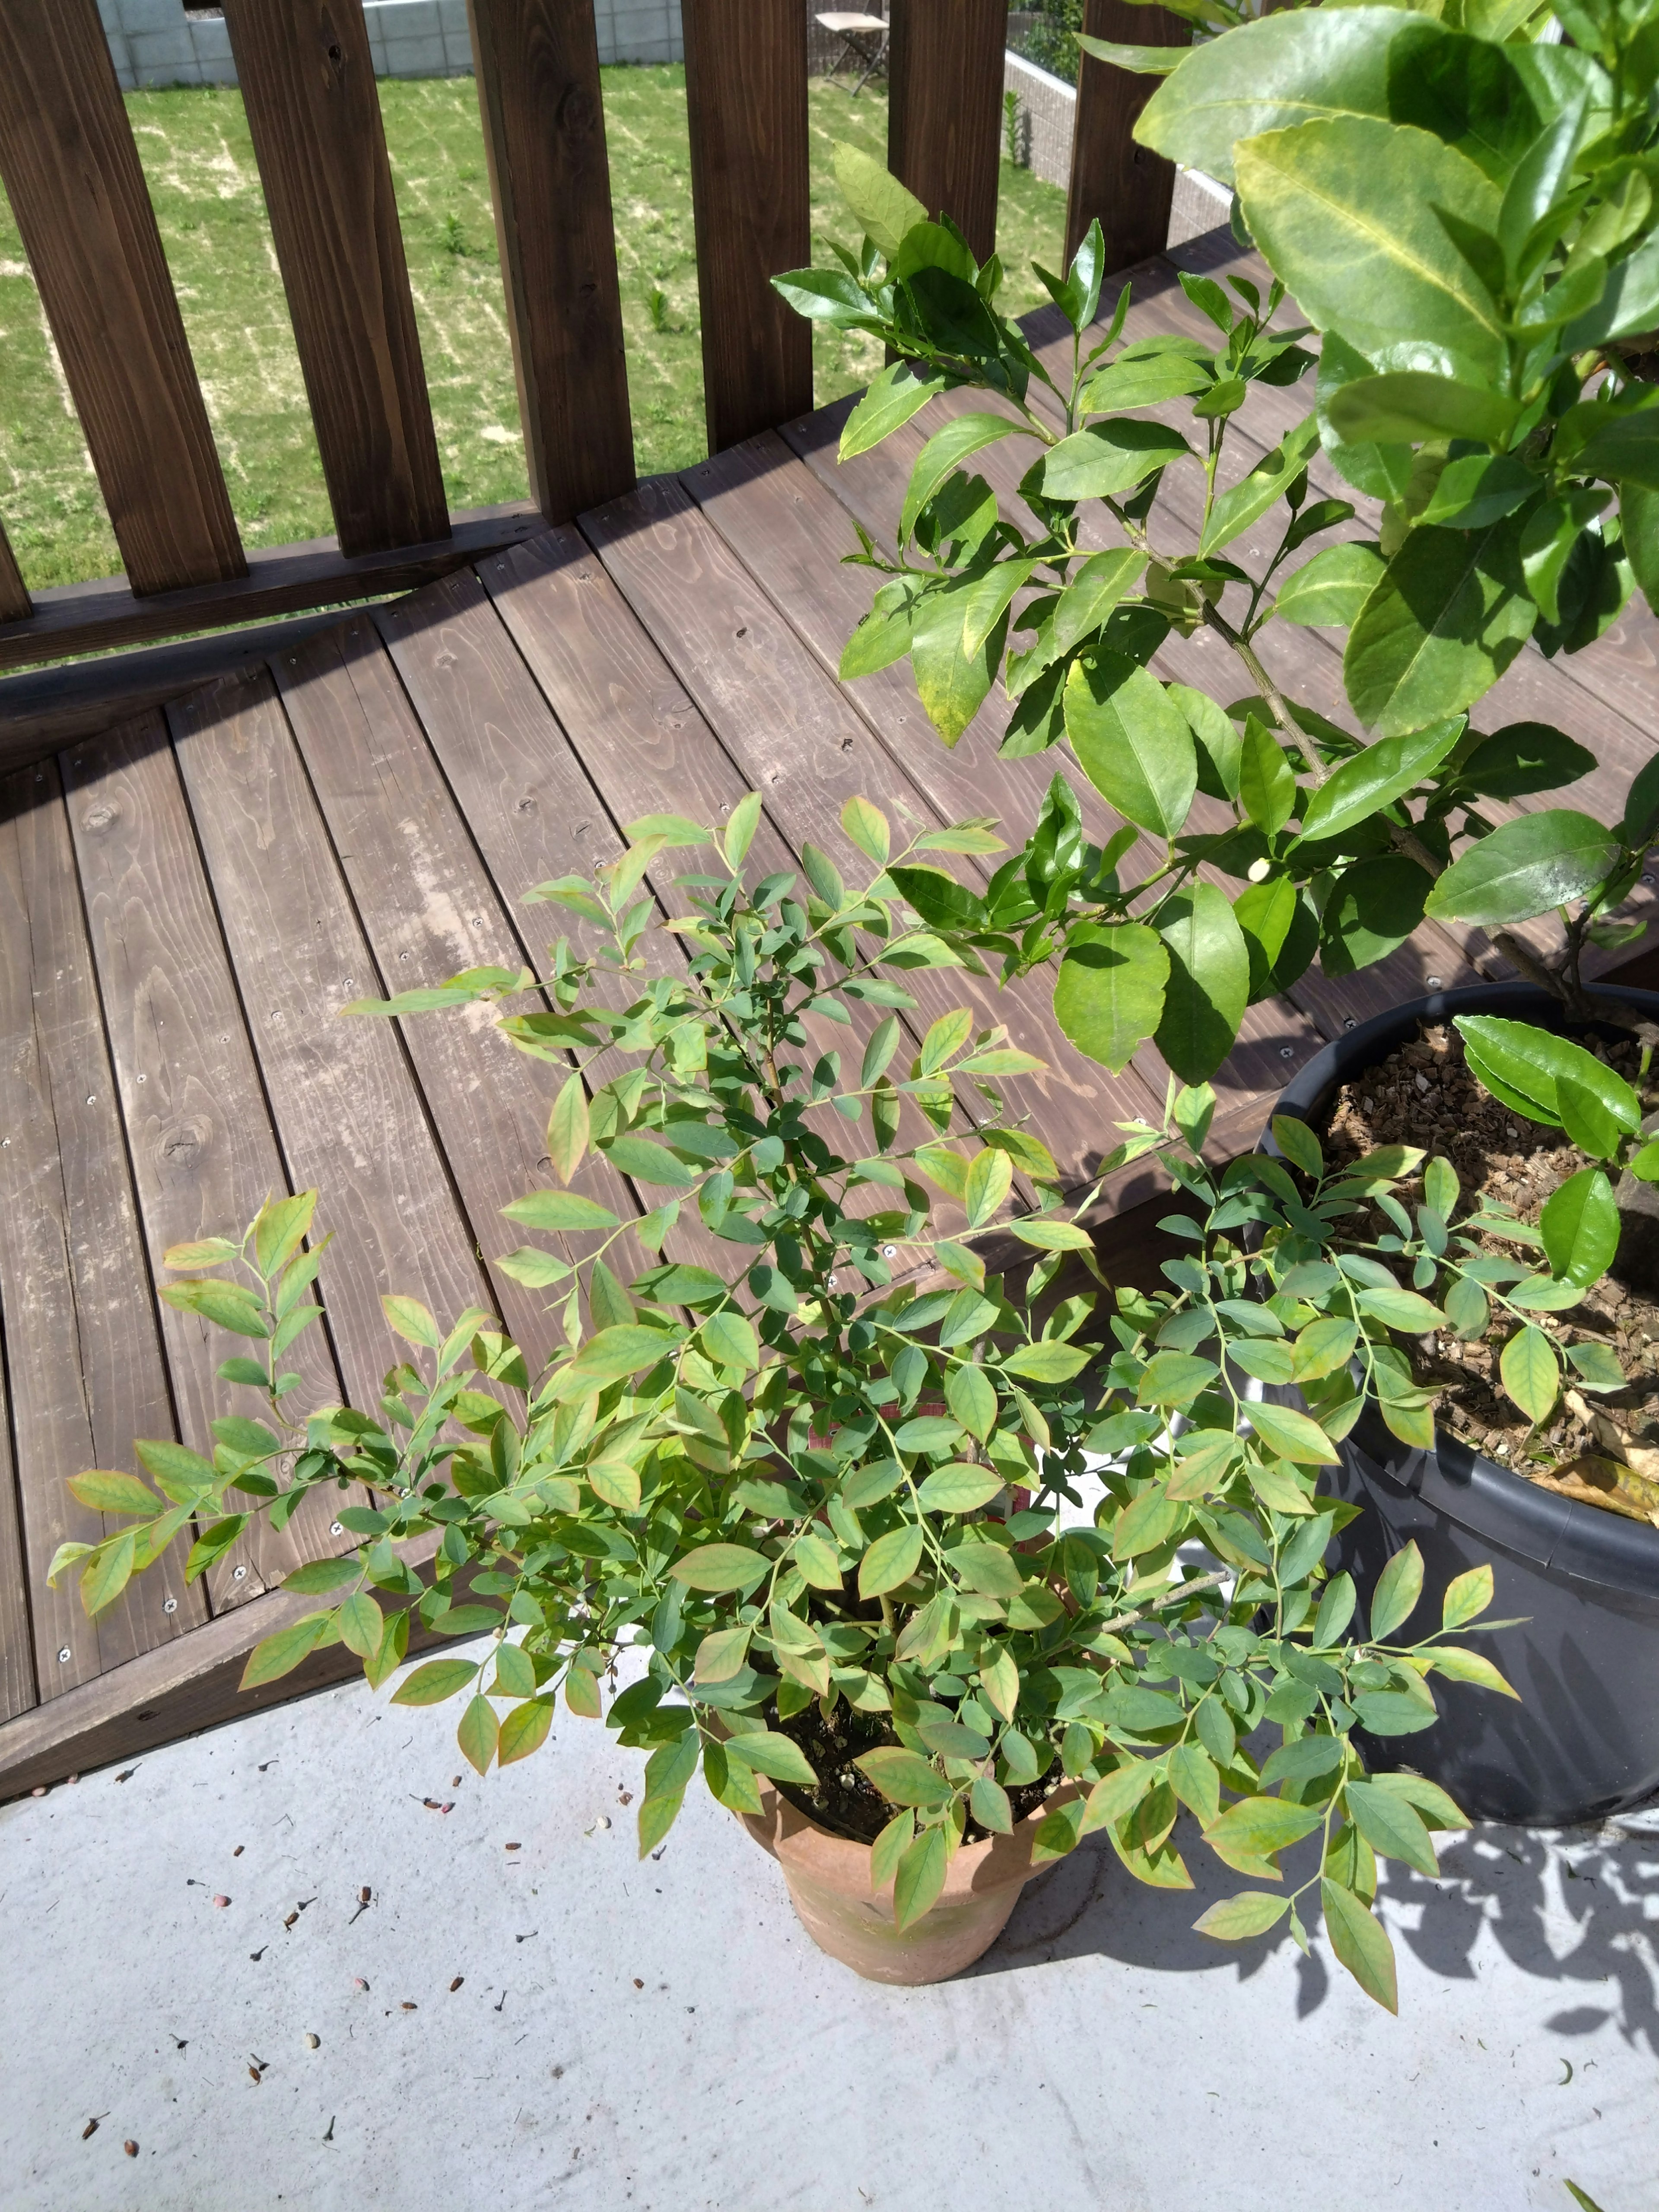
[190, 897]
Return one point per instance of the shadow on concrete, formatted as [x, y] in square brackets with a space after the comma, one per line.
[1579, 1906]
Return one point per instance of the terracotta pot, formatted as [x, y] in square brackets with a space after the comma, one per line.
[830, 1887]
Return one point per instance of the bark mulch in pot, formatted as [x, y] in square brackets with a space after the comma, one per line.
[1603, 1449]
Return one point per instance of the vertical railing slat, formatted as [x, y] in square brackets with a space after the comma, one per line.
[78, 195]
[307, 82]
[945, 111]
[1127, 186]
[745, 92]
[538, 65]
[15, 603]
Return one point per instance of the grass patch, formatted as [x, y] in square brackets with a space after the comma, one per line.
[199, 162]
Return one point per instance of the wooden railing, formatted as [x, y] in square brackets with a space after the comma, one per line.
[77, 191]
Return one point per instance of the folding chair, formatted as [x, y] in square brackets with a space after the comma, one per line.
[863, 40]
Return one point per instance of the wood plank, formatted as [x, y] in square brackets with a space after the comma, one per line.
[72, 174]
[1275, 1038]
[538, 68]
[307, 82]
[792, 735]
[281, 579]
[84, 1364]
[745, 95]
[48, 710]
[944, 67]
[1128, 186]
[198, 1128]
[527, 800]
[430, 909]
[18, 1693]
[347, 1114]
[15, 603]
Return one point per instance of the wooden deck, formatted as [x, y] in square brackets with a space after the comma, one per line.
[189, 899]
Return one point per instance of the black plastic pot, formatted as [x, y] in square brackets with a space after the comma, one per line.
[1584, 1742]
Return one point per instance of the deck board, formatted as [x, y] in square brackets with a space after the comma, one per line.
[180, 923]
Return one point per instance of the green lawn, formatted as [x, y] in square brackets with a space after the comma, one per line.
[199, 161]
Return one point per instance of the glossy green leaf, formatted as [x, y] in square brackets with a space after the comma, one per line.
[1329, 590]
[1459, 1665]
[1106, 460]
[1209, 980]
[1265, 483]
[1373, 778]
[1135, 744]
[885, 207]
[1445, 620]
[1409, 405]
[887, 403]
[1525, 867]
[1399, 1587]
[1580, 1226]
[945, 452]
[1109, 992]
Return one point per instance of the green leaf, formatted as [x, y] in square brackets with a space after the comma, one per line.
[1267, 784]
[988, 1801]
[1047, 1362]
[1209, 981]
[316, 1577]
[1323, 1348]
[1391, 1827]
[1525, 867]
[1298, 1144]
[560, 1209]
[740, 827]
[1133, 743]
[1329, 590]
[411, 1321]
[777, 1756]
[1401, 1309]
[890, 402]
[622, 1350]
[477, 1733]
[920, 1878]
[227, 1305]
[1374, 905]
[438, 1680]
[641, 1159]
[1398, 1588]
[1372, 779]
[891, 1560]
[958, 1488]
[108, 1490]
[567, 1128]
[816, 1560]
[1406, 406]
[972, 1399]
[953, 674]
[731, 1341]
[1343, 210]
[990, 1178]
[1256, 1827]
[1448, 616]
[1292, 1436]
[1105, 460]
[905, 1777]
[720, 1567]
[1361, 1943]
[615, 1483]
[1109, 993]
[866, 825]
[1580, 1228]
[1251, 1912]
[281, 1654]
[524, 1730]
[1531, 1373]
[108, 1570]
[1526, 1066]
[1267, 482]
[885, 207]
[1459, 1665]
[944, 453]
[1146, 380]
[362, 1625]
[890, 1847]
[1173, 1378]
[1094, 589]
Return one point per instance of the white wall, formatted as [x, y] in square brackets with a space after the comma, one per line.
[156, 42]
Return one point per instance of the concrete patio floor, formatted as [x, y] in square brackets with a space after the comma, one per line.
[664, 2036]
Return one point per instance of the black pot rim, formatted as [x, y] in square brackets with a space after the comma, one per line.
[1489, 1500]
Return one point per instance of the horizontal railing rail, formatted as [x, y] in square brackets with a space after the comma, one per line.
[71, 170]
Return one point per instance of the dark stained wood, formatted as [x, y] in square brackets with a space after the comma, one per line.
[84, 1364]
[945, 110]
[17, 1683]
[430, 909]
[91, 617]
[204, 1156]
[1128, 186]
[15, 602]
[347, 1115]
[745, 92]
[791, 734]
[44, 711]
[72, 174]
[307, 82]
[537, 67]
